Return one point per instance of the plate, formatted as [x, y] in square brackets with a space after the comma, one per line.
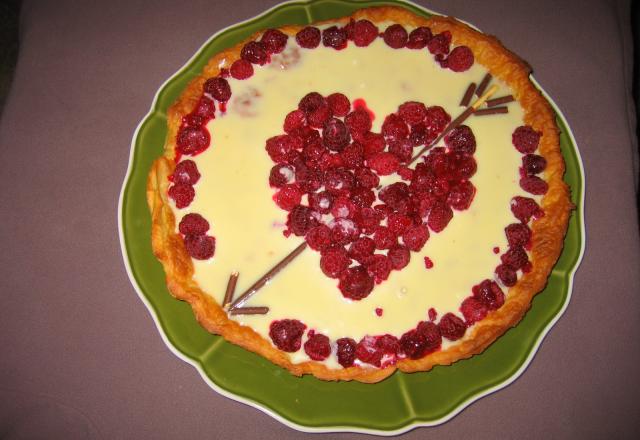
[395, 405]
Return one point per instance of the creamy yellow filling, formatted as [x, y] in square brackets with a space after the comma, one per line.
[233, 193]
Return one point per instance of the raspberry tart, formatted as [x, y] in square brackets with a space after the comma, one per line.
[378, 192]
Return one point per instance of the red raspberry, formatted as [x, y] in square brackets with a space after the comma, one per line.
[418, 135]
[416, 344]
[339, 104]
[319, 117]
[533, 164]
[218, 88]
[461, 140]
[280, 175]
[355, 283]
[358, 121]
[395, 195]
[516, 257]
[473, 310]
[362, 197]
[489, 293]
[384, 238]
[193, 224]
[398, 223]
[415, 237]
[313, 153]
[518, 234]
[395, 36]
[460, 59]
[388, 344]
[306, 135]
[343, 231]
[274, 40]
[311, 102]
[308, 179]
[205, 109]
[309, 37]
[317, 347]
[353, 155]
[394, 128]
[186, 172]
[439, 217]
[412, 112]
[433, 315]
[282, 148]
[286, 334]
[441, 188]
[288, 196]
[255, 52]
[301, 219]
[405, 173]
[335, 135]
[422, 180]
[379, 267]
[334, 37]
[461, 196]
[452, 327]
[241, 69]
[534, 185]
[523, 208]
[436, 120]
[330, 161]
[294, 120]
[193, 120]
[321, 202]
[424, 205]
[339, 182]
[200, 247]
[402, 149]
[428, 263]
[399, 256]
[362, 249]
[431, 333]
[464, 166]
[525, 139]
[367, 219]
[507, 275]
[384, 163]
[192, 140]
[367, 352]
[182, 194]
[439, 43]
[373, 143]
[334, 261]
[364, 32]
[319, 238]
[419, 37]
[346, 351]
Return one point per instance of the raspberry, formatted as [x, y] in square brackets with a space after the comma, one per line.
[394, 128]
[321, 202]
[200, 247]
[313, 153]
[525, 139]
[415, 237]
[398, 223]
[441, 188]
[473, 310]
[395, 36]
[193, 224]
[317, 347]
[489, 294]
[355, 283]
[293, 120]
[518, 234]
[283, 148]
[334, 261]
[516, 257]
[255, 52]
[417, 343]
[419, 37]
[460, 59]
[193, 120]
[461, 140]
[464, 166]
[364, 32]
[288, 196]
[507, 275]
[412, 112]
[534, 185]
[367, 219]
[330, 161]
[192, 140]
[439, 43]
[439, 217]
[311, 102]
[335, 135]
[353, 155]
[186, 172]
[388, 344]
[319, 117]
[218, 88]
[367, 352]
[362, 249]
[422, 179]
[428, 263]
[399, 256]
[452, 327]
[346, 351]
[358, 121]
[384, 238]
[306, 135]
[402, 149]
[433, 315]
[384, 163]
[334, 37]
[395, 195]
[405, 173]
[418, 135]
[461, 196]
[205, 109]
[533, 164]
[362, 197]
[373, 143]
[309, 37]
[280, 175]
[425, 203]
[379, 267]
[343, 231]
[339, 182]
[308, 179]
[431, 333]
[241, 69]
[436, 120]
[301, 219]
[182, 194]
[287, 334]
[274, 40]
[523, 208]
[339, 104]
[319, 238]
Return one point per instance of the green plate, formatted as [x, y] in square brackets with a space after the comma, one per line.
[395, 405]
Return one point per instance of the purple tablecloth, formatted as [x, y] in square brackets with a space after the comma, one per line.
[82, 358]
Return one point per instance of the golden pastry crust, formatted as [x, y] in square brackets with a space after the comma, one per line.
[548, 231]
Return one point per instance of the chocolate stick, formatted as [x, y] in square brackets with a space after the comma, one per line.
[231, 288]
[502, 100]
[250, 311]
[466, 99]
[267, 277]
[491, 111]
[483, 84]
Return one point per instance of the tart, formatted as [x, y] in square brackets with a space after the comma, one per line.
[378, 192]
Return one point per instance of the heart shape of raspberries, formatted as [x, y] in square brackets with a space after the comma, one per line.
[327, 171]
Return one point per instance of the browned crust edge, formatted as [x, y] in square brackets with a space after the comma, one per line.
[548, 231]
